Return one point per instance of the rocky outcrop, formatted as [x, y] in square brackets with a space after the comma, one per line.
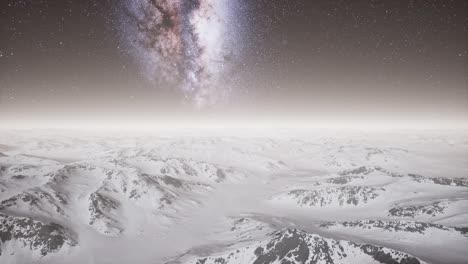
[292, 246]
[38, 236]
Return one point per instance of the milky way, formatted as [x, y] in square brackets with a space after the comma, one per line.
[188, 43]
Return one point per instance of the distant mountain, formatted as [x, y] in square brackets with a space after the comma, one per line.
[340, 196]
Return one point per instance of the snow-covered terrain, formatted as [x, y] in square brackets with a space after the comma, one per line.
[202, 197]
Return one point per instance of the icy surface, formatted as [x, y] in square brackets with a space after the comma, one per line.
[234, 197]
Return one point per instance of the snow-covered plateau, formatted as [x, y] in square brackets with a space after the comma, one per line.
[234, 197]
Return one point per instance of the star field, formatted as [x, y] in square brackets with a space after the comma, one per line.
[306, 56]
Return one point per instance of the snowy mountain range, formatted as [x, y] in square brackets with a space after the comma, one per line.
[315, 197]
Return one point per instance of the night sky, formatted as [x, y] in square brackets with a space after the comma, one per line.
[307, 61]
